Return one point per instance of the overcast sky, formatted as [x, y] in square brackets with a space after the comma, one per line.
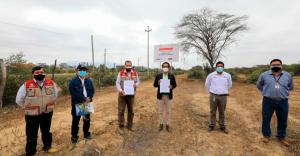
[61, 29]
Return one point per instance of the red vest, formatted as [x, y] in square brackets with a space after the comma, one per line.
[124, 76]
[38, 101]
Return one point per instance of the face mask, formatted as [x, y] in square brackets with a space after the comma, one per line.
[82, 73]
[275, 68]
[128, 69]
[39, 77]
[165, 70]
[220, 69]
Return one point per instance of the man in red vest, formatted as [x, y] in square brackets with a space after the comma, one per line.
[37, 97]
[126, 76]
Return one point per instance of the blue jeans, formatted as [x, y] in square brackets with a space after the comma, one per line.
[281, 108]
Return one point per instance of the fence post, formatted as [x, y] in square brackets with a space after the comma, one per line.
[3, 81]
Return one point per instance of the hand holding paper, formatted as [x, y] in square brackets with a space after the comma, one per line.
[164, 86]
[129, 87]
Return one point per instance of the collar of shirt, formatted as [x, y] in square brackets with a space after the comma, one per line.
[271, 73]
[39, 83]
[224, 74]
[165, 75]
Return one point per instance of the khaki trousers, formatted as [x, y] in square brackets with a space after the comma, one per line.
[164, 105]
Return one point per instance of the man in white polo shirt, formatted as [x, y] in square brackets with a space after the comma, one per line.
[218, 84]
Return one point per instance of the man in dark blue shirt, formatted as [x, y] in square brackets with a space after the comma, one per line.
[275, 86]
[82, 92]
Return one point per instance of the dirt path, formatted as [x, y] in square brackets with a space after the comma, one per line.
[189, 135]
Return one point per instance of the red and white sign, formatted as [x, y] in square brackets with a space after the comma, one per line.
[166, 52]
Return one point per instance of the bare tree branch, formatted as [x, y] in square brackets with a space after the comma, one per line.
[209, 33]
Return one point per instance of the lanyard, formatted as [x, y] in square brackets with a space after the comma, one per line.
[277, 80]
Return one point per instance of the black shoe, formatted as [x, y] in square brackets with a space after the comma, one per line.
[121, 126]
[130, 128]
[161, 127]
[168, 128]
[223, 129]
[74, 140]
[210, 128]
[88, 137]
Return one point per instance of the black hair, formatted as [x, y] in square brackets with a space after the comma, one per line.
[35, 68]
[162, 65]
[274, 60]
[220, 62]
[128, 61]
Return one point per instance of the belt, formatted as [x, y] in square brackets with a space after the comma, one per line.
[220, 94]
[275, 99]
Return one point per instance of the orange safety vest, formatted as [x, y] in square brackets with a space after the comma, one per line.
[39, 100]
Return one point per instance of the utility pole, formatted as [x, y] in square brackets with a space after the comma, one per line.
[105, 57]
[3, 81]
[92, 40]
[148, 30]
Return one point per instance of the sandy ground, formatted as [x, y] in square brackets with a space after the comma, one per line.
[189, 134]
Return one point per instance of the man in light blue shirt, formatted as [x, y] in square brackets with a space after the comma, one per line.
[218, 84]
[275, 86]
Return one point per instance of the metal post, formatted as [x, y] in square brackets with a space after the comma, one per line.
[3, 81]
[105, 57]
[92, 40]
[148, 30]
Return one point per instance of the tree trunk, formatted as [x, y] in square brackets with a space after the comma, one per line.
[211, 66]
[3, 81]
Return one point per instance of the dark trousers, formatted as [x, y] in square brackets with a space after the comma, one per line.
[32, 126]
[124, 101]
[75, 126]
[217, 103]
[281, 108]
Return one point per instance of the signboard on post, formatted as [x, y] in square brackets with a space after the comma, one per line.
[166, 52]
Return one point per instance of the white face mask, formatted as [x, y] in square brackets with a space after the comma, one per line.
[165, 70]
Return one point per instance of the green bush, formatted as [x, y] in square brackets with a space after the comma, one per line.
[233, 74]
[253, 77]
[296, 69]
[196, 72]
[13, 83]
[63, 83]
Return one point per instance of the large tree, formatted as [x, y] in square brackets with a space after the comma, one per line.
[207, 33]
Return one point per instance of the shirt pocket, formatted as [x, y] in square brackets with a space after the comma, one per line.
[49, 90]
[31, 93]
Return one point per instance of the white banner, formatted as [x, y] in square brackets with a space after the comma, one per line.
[166, 52]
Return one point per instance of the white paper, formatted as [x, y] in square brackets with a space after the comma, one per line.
[90, 107]
[164, 86]
[128, 87]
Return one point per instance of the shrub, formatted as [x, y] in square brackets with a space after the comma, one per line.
[196, 72]
[63, 83]
[233, 74]
[253, 77]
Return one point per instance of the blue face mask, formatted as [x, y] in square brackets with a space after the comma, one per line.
[82, 73]
[220, 69]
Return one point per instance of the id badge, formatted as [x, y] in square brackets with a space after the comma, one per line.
[277, 86]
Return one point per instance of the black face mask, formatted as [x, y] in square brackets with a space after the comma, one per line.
[39, 77]
[128, 69]
[275, 69]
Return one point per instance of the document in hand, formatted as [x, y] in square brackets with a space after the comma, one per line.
[82, 109]
[128, 87]
[164, 86]
[90, 107]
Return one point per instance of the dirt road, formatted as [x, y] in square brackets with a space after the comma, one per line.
[189, 135]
